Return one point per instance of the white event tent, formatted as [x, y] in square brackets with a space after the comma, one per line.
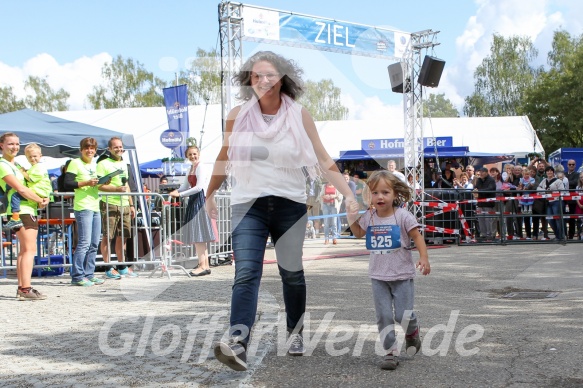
[147, 124]
[497, 135]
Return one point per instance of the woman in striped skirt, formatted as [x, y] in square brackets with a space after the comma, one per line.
[197, 228]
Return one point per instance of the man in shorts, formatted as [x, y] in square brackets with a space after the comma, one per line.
[116, 210]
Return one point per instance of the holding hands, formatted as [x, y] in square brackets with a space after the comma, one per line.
[423, 265]
[352, 209]
[211, 207]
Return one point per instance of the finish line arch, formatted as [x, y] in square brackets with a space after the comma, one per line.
[239, 22]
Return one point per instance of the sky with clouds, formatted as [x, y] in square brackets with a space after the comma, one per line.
[69, 41]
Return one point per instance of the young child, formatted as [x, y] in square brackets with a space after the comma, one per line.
[310, 231]
[37, 178]
[389, 229]
[527, 182]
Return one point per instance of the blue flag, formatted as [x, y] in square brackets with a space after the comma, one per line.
[176, 101]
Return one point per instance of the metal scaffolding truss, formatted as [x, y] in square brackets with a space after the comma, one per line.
[230, 29]
[230, 25]
[413, 112]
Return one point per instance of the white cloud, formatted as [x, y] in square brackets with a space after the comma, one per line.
[371, 108]
[77, 77]
[537, 19]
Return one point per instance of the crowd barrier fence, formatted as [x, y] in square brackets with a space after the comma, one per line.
[155, 241]
[462, 223]
[451, 215]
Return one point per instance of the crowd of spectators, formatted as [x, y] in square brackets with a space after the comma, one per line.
[524, 217]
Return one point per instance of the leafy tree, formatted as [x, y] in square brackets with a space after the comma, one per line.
[203, 78]
[439, 106]
[502, 78]
[42, 98]
[322, 100]
[554, 104]
[127, 84]
[8, 101]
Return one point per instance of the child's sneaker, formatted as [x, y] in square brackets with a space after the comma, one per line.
[296, 345]
[389, 362]
[112, 274]
[127, 273]
[96, 281]
[412, 343]
[13, 224]
[83, 283]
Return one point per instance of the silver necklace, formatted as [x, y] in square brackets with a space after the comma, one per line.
[268, 118]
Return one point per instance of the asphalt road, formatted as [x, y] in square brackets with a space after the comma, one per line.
[159, 332]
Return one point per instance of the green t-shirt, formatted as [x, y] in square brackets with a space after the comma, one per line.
[26, 206]
[39, 181]
[87, 197]
[107, 166]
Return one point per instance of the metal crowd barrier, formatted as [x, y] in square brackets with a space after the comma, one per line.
[172, 245]
[453, 214]
[55, 240]
[155, 240]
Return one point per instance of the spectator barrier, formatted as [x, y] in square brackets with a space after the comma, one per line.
[465, 228]
[155, 240]
[452, 216]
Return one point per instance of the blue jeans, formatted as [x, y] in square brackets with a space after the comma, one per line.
[329, 222]
[553, 209]
[252, 223]
[88, 231]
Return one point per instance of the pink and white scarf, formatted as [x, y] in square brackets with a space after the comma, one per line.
[287, 122]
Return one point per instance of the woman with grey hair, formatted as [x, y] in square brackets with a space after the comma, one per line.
[271, 145]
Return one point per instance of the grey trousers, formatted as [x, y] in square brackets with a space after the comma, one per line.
[393, 302]
[486, 222]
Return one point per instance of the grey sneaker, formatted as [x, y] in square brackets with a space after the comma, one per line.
[296, 345]
[232, 353]
[32, 294]
[412, 343]
[389, 362]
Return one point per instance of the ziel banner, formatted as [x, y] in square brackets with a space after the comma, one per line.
[322, 34]
[176, 101]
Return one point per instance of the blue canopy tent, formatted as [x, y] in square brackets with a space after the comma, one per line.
[152, 169]
[57, 137]
[156, 168]
[473, 158]
[61, 138]
[449, 152]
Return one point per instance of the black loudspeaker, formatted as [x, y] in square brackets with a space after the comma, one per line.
[431, 71]
[396, 77]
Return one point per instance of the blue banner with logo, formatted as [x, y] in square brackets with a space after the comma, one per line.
[305, 31]
[399, 144]
[176, 102]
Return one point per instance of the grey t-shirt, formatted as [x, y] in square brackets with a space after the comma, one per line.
[398, 264]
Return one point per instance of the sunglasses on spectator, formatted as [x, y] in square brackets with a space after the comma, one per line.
[571, 164]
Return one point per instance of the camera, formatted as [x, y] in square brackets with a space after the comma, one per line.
[168, 187]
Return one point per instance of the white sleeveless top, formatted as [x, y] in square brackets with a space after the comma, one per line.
[267, 180]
